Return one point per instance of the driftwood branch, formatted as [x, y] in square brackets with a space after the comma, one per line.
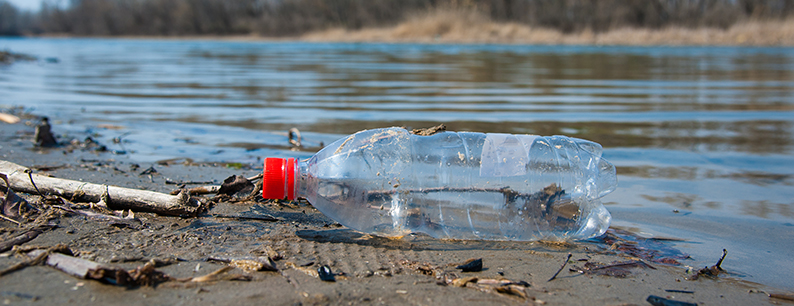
[22, 180]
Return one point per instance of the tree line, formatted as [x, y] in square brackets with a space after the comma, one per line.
[295, 17]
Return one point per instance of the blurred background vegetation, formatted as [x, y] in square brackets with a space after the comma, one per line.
[282, 18]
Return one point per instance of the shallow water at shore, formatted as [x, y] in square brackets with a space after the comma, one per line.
[702, 136]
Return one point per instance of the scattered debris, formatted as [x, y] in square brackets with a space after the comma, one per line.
[248, 264]
[430, 131]
[305, 270]
[251, 265]
[61, 258]
[217, 275]
[424, 268]
[471, 265]
[660, 301]
[272, 254]
[87, 269]
[650, 249]
[561, 267]
[712, 271]
[502, 286]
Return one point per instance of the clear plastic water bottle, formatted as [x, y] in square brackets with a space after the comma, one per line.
[457, 185]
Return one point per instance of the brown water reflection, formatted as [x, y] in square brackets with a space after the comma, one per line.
[766, 209]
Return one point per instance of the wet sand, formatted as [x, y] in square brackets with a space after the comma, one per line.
[369, 270]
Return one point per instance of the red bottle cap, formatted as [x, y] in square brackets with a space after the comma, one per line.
[278, 180]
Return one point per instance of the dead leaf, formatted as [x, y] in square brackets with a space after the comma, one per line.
[13, 206]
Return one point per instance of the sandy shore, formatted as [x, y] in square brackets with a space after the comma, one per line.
[415, 270]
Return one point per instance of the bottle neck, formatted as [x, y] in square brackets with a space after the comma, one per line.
[302, 179]
[279, 180]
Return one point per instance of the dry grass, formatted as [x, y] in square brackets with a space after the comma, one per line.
[468, 26]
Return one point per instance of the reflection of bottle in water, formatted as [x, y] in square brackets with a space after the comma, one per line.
[453, 185]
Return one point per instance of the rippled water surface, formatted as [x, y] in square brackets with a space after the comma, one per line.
[702, 136]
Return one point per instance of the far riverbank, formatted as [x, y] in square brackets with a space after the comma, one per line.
[458, 26]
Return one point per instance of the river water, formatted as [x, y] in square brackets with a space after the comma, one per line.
[702, 136]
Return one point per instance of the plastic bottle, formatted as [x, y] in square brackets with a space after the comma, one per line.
[456, 185]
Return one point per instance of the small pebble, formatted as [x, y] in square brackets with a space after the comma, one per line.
[325, 274]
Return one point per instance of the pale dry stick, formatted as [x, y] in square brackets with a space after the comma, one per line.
[9, 219]
[89, 214]
[209, 189]
[118, 198]
[8, 118]
[561, 267]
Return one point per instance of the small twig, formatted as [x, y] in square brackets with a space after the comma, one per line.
[9, 219]
[561, 267]
[30, 175]
[239, 217]
[621, 264]
[255, 177]
[199, 190]
[28, 235]
[170, 182]
[89, 214]
[719, 263]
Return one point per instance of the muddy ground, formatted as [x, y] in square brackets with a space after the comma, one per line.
[416, 270]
